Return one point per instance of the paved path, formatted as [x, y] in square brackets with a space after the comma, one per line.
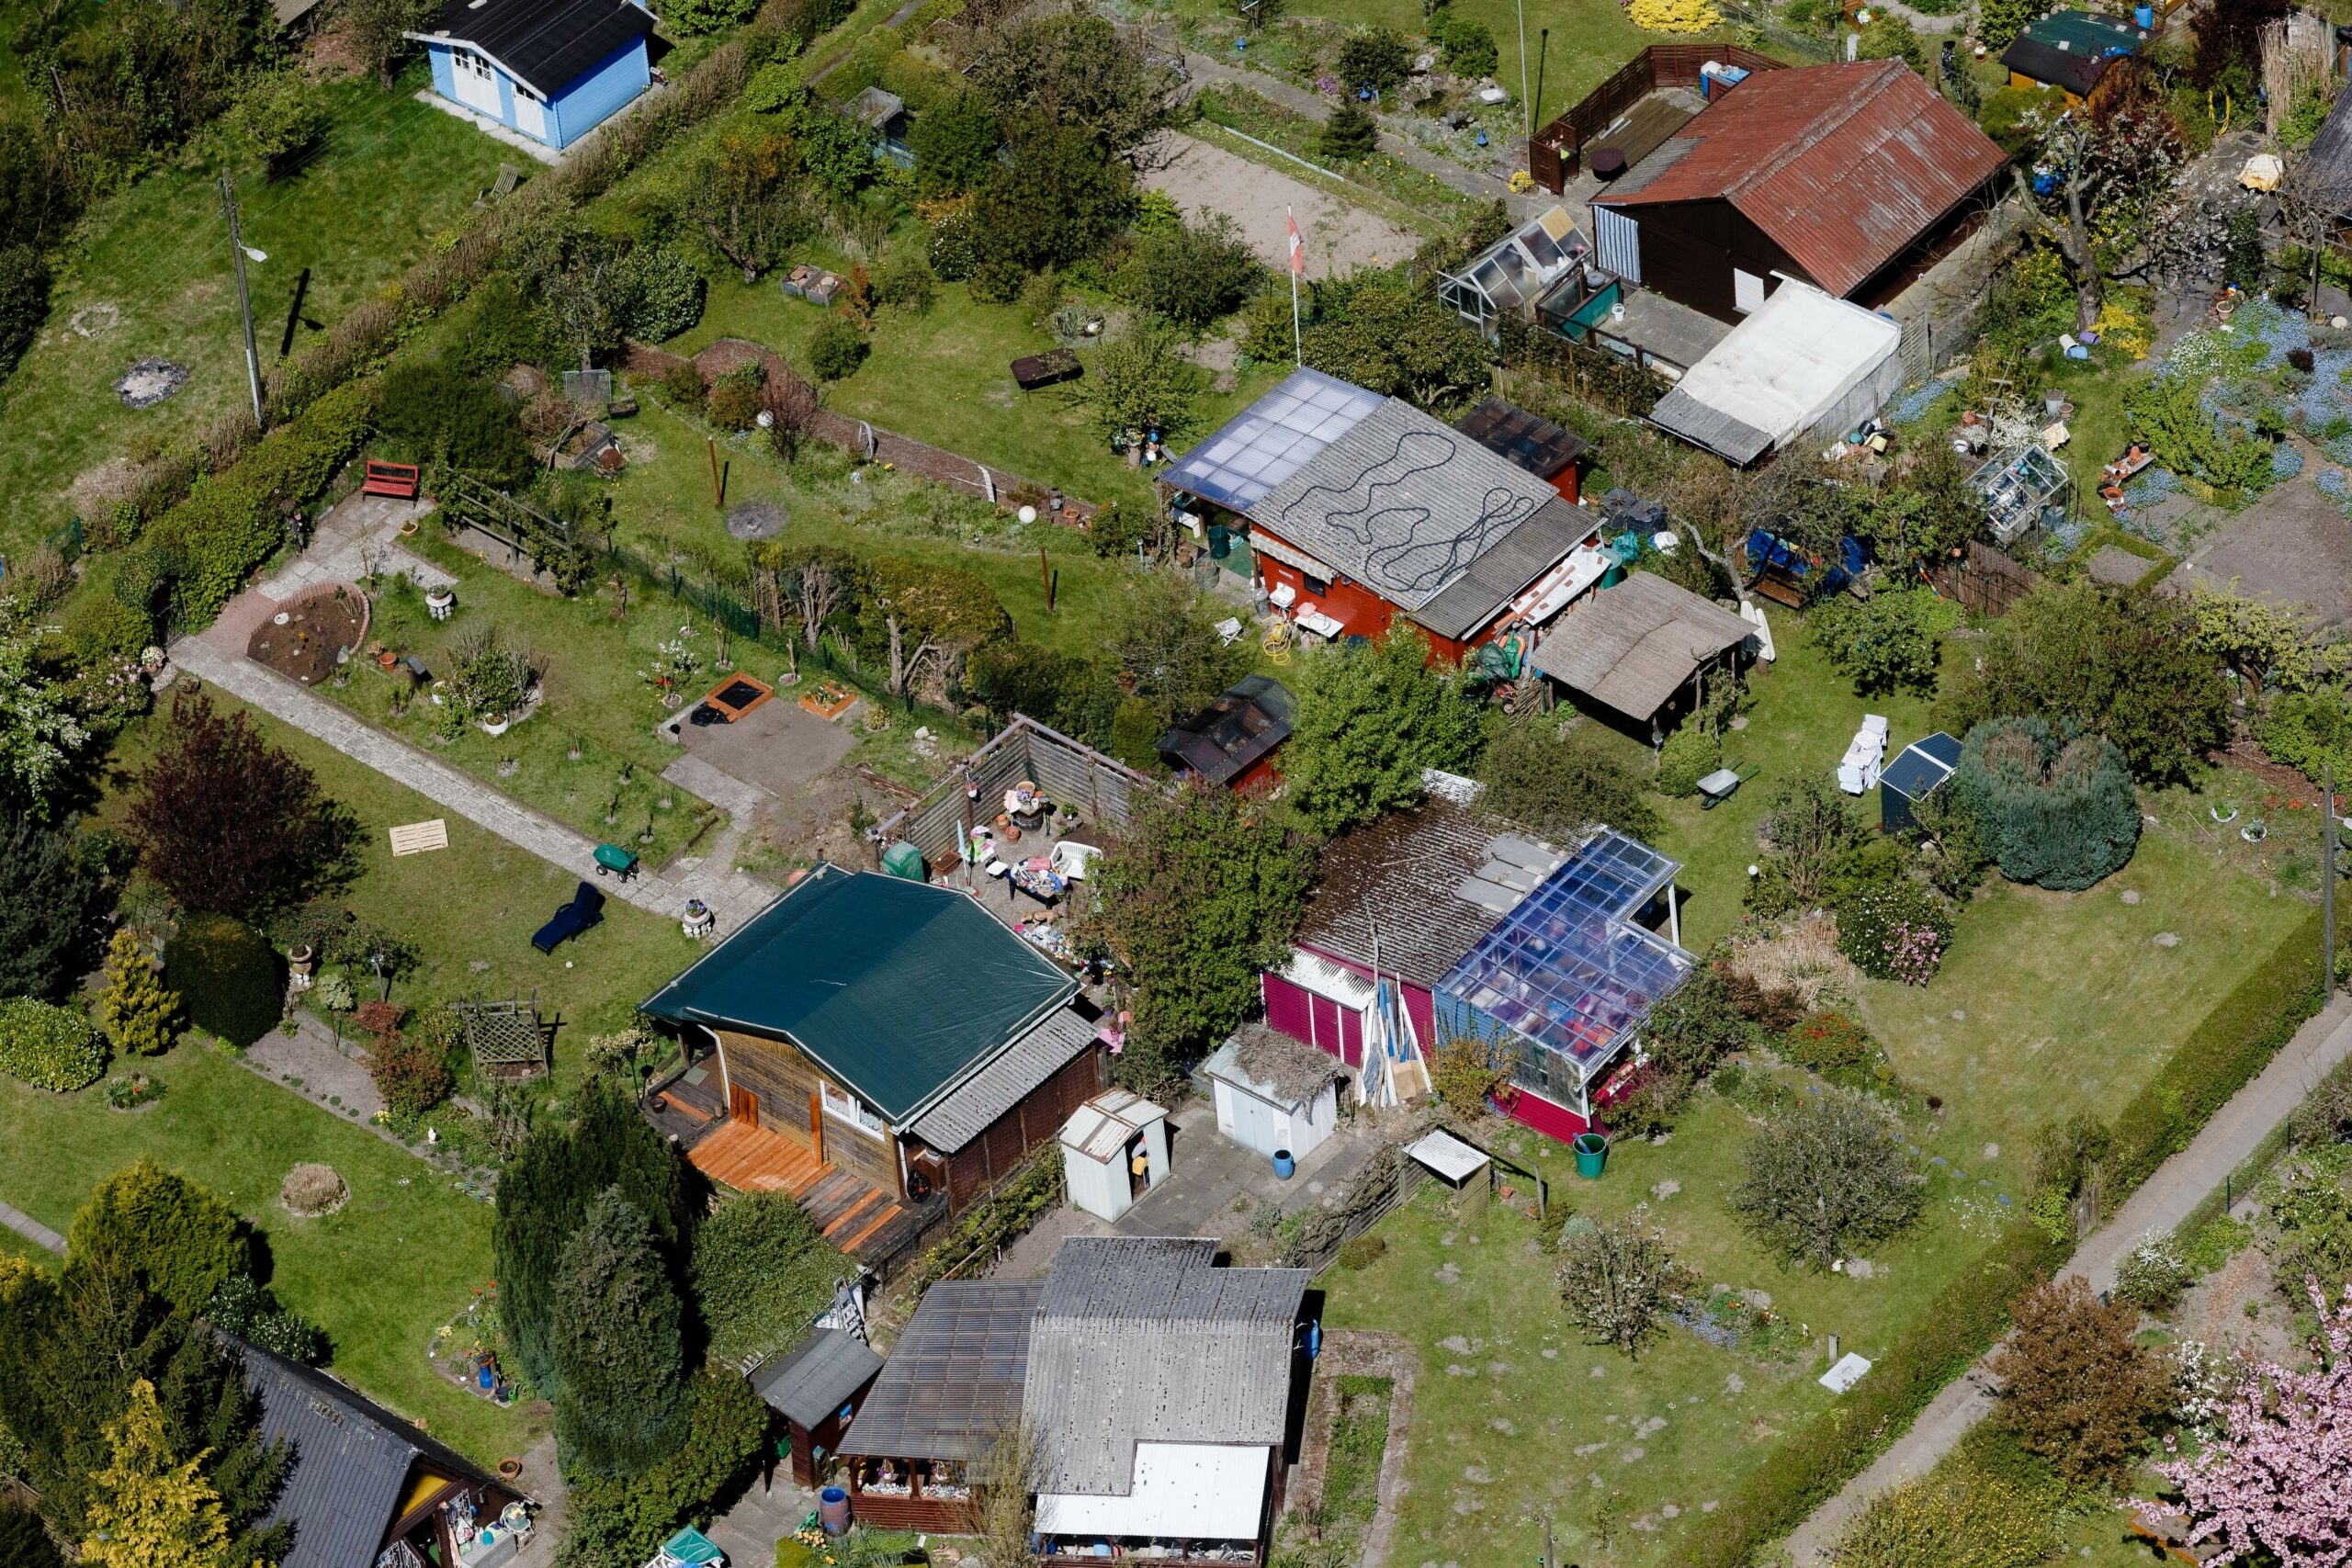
[2161, 1203]
[32, 1230]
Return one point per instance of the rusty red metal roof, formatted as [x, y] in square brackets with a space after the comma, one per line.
[1842, 165]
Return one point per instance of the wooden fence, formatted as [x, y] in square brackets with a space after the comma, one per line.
[1559, 149]
[1984, 580]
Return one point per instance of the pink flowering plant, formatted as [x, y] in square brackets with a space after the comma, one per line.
[1895, 931]
[2275, 1482]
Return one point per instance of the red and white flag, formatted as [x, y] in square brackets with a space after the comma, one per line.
[1297, 248]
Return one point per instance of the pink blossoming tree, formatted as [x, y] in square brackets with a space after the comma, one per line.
[2277, 1482]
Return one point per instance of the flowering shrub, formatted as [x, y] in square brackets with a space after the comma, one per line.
[2152, 1274]
[1827, 1040]
[675, 658]
[1898, 931]
[409, 1074]
[1673, 16]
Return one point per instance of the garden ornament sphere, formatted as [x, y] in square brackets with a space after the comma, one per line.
[1027, 514]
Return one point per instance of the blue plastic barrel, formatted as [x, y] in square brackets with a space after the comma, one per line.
[1284, 1166]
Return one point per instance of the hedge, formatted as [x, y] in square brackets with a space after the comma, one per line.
[2237, 1040]
[226, 976]
[54, 1048]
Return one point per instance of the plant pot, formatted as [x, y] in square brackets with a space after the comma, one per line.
[2255, 832]
[672, 699]
[658, 1104]
[496, 724]
[2220, 815]
[509, 1469]
[387, 659]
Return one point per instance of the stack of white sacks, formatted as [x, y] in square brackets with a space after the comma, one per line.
[1864, 757]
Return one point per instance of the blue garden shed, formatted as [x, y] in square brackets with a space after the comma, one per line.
[551, 70]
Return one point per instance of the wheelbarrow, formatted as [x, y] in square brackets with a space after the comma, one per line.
[618, 861]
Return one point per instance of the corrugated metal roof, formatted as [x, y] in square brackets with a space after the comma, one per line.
[1400, 503]
[973, 1105]
[952, 1382]
[1724, 435]
[1144, 1339]
[1635, 644]
[352, 1461]
[1842, 165]
[819, 1377]
[1506, 569]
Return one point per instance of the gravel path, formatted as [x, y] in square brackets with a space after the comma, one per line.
[32, 1230]
[1337, 237]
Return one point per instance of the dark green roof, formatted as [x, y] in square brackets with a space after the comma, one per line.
[897, 989]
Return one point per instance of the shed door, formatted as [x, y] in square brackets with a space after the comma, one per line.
[1747, 291]
[477, 86]
[1617, 243]
[530, 115]
[1254, 1123]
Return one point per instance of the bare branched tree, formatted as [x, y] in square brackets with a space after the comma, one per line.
[1003, 1513]
[2107, 181]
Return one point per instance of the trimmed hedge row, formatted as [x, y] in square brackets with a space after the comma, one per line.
[2237, 1040]
[54, 1048]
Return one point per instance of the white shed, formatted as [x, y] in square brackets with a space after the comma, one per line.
[1274, 1092]
[1114, 1149]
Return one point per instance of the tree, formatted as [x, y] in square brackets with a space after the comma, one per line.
[1348, 134]
[914, 612]
[1808, 831]
[1888, 37]
[1469, 46]
[2271, 1486]
[135, 1010]
[1999, 22]
[45, 920]
[617, 1521]
[1140, 381]
[1198, 892]
[1166, 639]
[1005, 1485]
[1929, 512]
[1563, 781]
[376, 31]
[172, 1235]
[2059, 813]
[745, 197]
[40, 737]
[954, 141]
[280, 113]
[1055, 200]
[1370, 721]
[1891, 641]
[1073, 694]
[2123, 665]
[2079, 1389]
[2113, 174]
[2264, 642]
[1077, 71]
[1400, 344]
[1378, 58]
[1617, 1278]
[1195, 274]
[149, 1508]
[228, 824]
[1805, 502]
[1826, 1176]
[621, 1401]
[836, 348]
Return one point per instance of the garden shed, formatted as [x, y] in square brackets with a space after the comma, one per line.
[1114, 1149]
[1802, 367]
[1633, 649]
[816, 1389]
[1272, 1092]
[1924, 767]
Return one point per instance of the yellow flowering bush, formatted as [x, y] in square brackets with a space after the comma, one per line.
[2121, 326]
[1674, 16]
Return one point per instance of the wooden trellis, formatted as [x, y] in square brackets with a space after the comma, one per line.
[508, 1039]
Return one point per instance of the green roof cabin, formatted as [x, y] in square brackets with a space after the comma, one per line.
[2072, 51]
[883, 1049]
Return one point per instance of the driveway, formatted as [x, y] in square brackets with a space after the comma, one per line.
[1338, 237]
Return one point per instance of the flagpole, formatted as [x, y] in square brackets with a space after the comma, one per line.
[1297, 349]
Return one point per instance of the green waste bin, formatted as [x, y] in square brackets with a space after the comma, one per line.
[1592, 1153]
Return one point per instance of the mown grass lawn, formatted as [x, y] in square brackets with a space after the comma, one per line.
[379, 1275]
[473, 907]
[390, 174]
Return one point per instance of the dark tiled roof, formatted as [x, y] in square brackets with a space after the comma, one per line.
[1390, 884]
[1144, 1339]
[2040, 62]
[1842, 165]
[952, 1382]
[352, 1461]
[1222, 740]
[819, 1377]
[548, 44]
[1505, 570]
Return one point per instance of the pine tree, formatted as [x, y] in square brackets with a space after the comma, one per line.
[134, 1010]
[148, 1508]
[45, 919]
[618, 1352]
[1346, 135]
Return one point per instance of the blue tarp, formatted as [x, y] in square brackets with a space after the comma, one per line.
[1766, 550]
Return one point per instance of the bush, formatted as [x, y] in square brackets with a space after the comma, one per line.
[1895, 931]
[1824, 1042]
[1955, 1518]
[49, 1048]
[836, 349]
[24, 302]
[762, 1273]
[135, 1010]
[226, 976]
[735, 403]
[658, 293]
[311, 1188]
[1468, 47]
[904, 280]
[616, 1522]
[2059, 814]
[1194, 273]
[954, 140]
[409, 1074]
[2152, 1274]
[245, 1307]
[1826, 1176]
[1361, 1252]
[1563, 781]
[1348, 134]
[180, 1239]
[1378, 58]
[682, 385]
[2080, 1392]
[433, 412]
[1690, 754]
[954, 246]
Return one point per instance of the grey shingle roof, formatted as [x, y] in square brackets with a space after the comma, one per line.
[973, 1105]
[954, 1379]
[352, 1461]
[1390, 884]
[1401, 503]
[1144, 1339]
[1505, 570]
[818, 1378]
[1635, 643]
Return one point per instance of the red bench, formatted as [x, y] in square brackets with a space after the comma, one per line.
[397, 480]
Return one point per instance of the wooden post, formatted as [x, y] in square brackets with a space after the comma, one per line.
[817, 1124]
[1045, 576]
[717, 496]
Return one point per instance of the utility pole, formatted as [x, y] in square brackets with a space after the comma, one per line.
[245, 299]
[1527, 104]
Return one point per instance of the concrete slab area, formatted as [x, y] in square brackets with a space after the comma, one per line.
[777, 748]
[1337, 237]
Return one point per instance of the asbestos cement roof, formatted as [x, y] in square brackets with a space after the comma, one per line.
[1632, 646]
[1505, 570]
[1792, 361]
[1388, 890]
[972, 1107]
[1842, 165]
[1144, 1339]
[952, 1382]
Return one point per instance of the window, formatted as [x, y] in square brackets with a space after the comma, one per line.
[1314, 585]
[843, 1106]
[1747, 291]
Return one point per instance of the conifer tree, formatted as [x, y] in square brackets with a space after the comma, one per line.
[618, 1352]
[149, 1508]
[135, 1010]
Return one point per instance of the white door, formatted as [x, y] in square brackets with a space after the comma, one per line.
[530, 115]
[1747, 291]
[1255, 1125]
[477, 84]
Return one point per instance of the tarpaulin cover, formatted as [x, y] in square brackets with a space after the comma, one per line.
[895, 988]
[1801, 361]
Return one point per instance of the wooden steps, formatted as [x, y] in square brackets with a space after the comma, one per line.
[754, 1159]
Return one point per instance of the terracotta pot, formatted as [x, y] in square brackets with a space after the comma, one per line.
[387, 659]
[509, 1468]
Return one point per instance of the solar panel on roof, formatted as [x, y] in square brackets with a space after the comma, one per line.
[1268, 441]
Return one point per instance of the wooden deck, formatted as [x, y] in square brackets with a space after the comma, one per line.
[754, 1159]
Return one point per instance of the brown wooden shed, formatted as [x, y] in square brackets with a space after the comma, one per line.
[816, 1389]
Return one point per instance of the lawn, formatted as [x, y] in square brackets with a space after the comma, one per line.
[379, 1275]
[596, 702]
[473, 907]
[1517, 1423]
[392, 175]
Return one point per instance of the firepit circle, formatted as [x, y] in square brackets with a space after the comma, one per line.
[149, 381]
